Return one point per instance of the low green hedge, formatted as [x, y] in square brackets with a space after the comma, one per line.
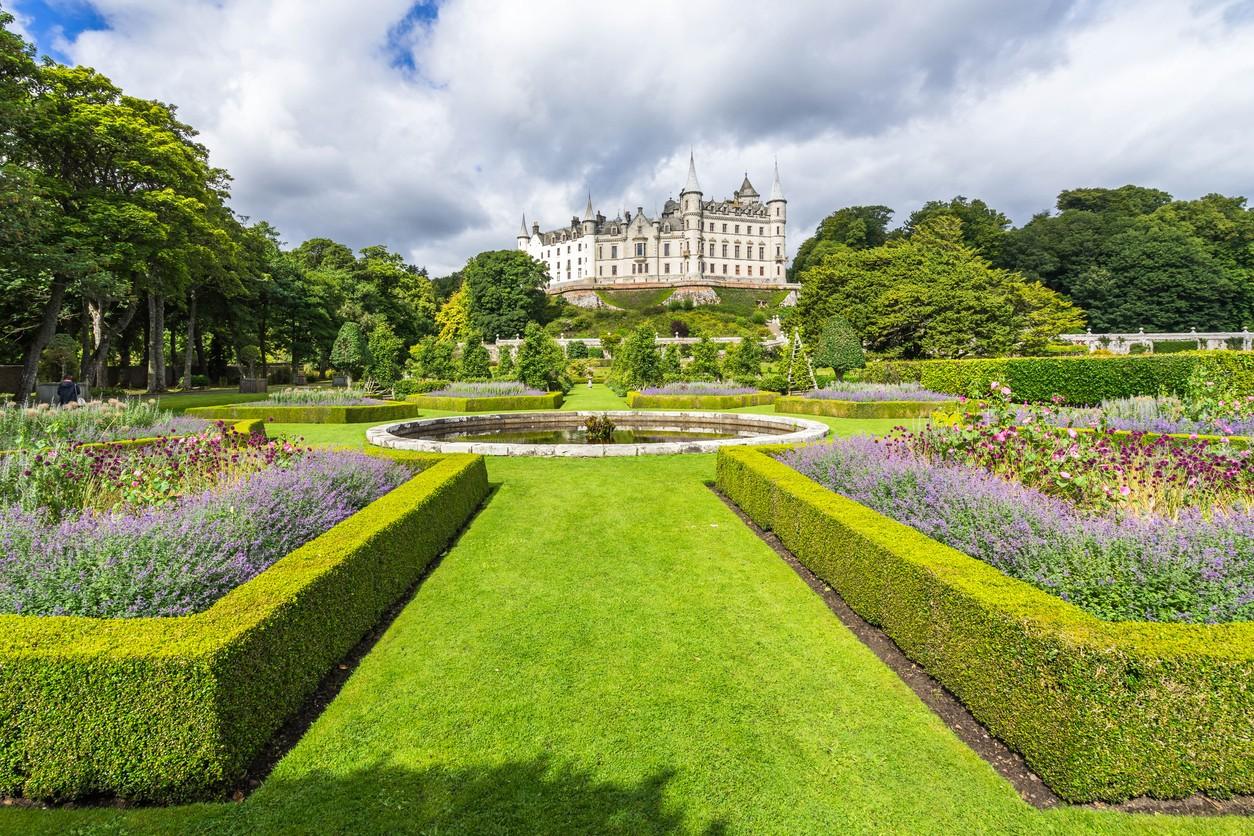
[252, 426]
[635, 400]
[549, 400]
[1083, 380]
[361, 414]
[171, 709]
[1100, 710]
[863, 409]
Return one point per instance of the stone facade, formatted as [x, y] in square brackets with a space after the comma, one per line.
[739, 241]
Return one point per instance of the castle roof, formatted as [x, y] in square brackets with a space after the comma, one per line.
[523, 233]
[777, 191]
[746, 188]
[692, 185]
[588, 214]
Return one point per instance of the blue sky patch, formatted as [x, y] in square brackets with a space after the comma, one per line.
[48, 20]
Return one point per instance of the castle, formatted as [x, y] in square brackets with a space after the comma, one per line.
[694, 244]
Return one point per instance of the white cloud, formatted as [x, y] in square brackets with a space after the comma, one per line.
[522, 106]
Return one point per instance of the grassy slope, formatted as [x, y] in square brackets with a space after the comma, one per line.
[570, 669]
[597, 655]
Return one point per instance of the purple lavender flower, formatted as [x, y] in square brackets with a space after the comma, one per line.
[698, 388]
[1190, 568]
[877, 392]
[486, 389]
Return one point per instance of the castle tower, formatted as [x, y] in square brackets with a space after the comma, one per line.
[777, 212]
[690, 206]
[524, 237]
[589, 223]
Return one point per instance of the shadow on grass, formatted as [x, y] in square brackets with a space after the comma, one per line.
[518, 797]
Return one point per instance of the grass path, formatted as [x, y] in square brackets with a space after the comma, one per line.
[608, 649]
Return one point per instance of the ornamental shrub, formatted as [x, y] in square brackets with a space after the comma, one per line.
[432, 358]
[385, 349]
[577, 350]
[350, 352]
[541, 360]
[744, 360]
[839, 347]
[672, 363]
[639, 364]
[704, 365]
[505, 366]
[476, 362]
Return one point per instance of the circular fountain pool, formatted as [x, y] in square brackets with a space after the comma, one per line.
[559, 433]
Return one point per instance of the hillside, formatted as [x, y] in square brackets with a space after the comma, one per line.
[741, 313]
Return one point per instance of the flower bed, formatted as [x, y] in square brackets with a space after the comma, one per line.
[321, 397]
[309, 414]
[1100, 710]
[175, 708]
[93, 422]
[1168, 415]
[698, 395]
[869, 400]
[492, 396]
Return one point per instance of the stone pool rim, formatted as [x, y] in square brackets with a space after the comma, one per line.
[801, 430]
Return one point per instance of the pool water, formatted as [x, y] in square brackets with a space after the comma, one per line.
[580, 436]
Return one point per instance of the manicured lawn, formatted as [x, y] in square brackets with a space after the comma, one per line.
[210, 397]
[598, 655]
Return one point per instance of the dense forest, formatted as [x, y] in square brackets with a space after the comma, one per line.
[1129, 258]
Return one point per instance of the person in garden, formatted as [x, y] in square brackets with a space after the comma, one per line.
[67, 391]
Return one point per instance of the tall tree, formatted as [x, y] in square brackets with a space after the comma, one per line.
[503, 292]
[983, 227]
[856, 227]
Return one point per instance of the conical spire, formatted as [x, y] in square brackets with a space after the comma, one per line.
[588, 214]
[692, 185]
[777, 191]
[523, 233]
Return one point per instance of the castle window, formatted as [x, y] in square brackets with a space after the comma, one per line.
[779, 251]
[614, 251]
[724, 227]
[614, 270]
[777, 210]
[703, 267]
[761, 231]
[761, 271]
[779, 230]
[737, 229]
[601, 271]
[724, 269]
[711, 226]
[666, 248]
[568, 249]
[600, 251]
[737, 251]
[724, 247]
[640, 249]
[777, 269]
[737, 269]
[666, 268]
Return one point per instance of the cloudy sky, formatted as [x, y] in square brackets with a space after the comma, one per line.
[431, 127]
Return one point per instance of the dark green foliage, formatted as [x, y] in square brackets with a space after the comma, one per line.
[541, 362]
[551, 400]
[638, 401]
[672, 363]
[1101, 711]
[600, 429]
[854, 227]
[505, 366]
[705, 364]
[175, 709]
[504, 292]
[433, 359]
[476, 362]
[415, 386]
[863, 409]
[744, 361]
[59, 357]
[839, 347]
[1079, 380]
[931, 296]
[351, 353]
[385, 349]
[773, 383]
[983, 227]
[358, 414]
[638, 363]
[577, 350]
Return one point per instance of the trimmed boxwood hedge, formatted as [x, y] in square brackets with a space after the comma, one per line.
[1100, 710]
[549, 400]
[1083, 380]
[171, 709]
[863, 409]
[635, 400]
[360, 414]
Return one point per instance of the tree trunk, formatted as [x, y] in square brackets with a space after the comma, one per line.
[39, 341]
[261, 344]
[156, 343]
[103, 337]
[84, 345]
[189, 342]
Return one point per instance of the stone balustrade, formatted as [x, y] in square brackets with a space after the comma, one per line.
[1122, 343]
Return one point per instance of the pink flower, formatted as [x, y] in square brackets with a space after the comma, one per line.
[1071, 432]
[1125, 490]
[1064, 474]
